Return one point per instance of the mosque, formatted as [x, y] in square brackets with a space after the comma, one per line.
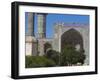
[76, 34]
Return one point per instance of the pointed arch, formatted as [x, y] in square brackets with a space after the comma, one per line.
[72, 37]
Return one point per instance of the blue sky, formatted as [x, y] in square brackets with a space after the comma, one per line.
[53, 18]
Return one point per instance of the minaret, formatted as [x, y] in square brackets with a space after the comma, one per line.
[57, 36]
[30, 40]
[41, 23]
[41, 34]
[30, 20]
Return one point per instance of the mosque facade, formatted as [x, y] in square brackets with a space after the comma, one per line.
[75, 34]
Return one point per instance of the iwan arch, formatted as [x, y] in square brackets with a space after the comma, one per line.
[74, 33]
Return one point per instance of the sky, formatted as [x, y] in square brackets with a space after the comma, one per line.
[53, 18]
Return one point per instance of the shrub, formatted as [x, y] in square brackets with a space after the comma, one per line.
[38, 61]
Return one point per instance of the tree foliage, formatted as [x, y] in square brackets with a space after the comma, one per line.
[70, 56]
[54, 55]
[38, 61]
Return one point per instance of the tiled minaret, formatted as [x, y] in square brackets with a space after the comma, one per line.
[30, 39]
[30, 20]
[41, 22]
[41, 34]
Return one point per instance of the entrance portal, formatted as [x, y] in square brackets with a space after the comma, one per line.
[73, 38]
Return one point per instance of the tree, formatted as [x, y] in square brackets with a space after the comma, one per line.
[70, 56]
[54, 55]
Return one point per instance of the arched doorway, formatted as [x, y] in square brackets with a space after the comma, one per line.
[73, 38]
[47, 46]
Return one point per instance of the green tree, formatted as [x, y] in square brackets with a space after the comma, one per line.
[54, 55]
[70, 56]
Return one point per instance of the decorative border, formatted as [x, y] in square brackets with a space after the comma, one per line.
[15, 39]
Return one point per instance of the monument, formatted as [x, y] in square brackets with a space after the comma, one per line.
[75, 34]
